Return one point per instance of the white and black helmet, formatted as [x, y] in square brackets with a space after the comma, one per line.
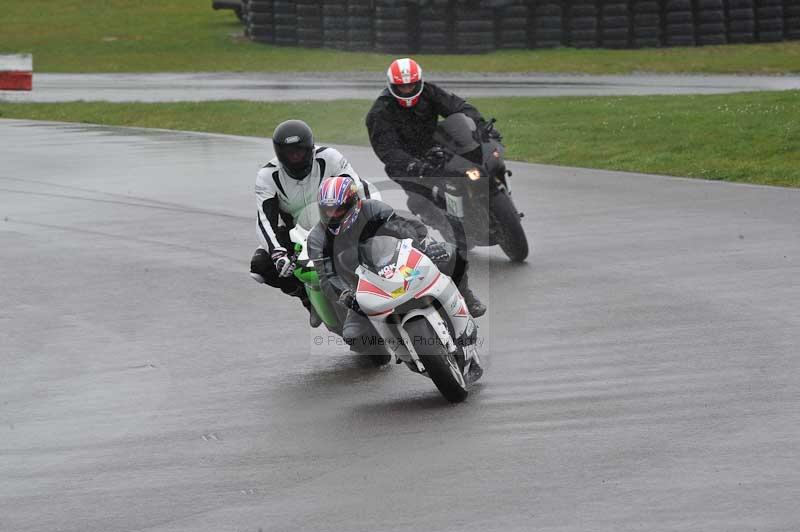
[294, 147]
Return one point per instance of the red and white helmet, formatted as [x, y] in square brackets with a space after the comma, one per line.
[404, 79]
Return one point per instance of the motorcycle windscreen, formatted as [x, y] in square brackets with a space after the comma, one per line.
[457, 133]
[379, 253]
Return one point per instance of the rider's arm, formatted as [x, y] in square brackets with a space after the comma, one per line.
[268, 209]
[384, 139]
[448, 103]
[320, 251]
[382, 220]
[338, 165]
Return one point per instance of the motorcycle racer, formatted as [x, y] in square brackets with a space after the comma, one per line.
[401, 125]
[286, 194]
[346, 220]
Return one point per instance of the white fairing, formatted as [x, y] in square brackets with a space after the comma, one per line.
[411, 277]
[299, 235]
[374, 193]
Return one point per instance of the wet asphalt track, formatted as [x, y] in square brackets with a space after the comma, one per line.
[643, 371]
[285, 86]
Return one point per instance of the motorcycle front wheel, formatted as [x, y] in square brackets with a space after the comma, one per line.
[508, 228]
[441, 366]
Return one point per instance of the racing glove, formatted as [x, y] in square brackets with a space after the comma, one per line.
[430, 166]
[348, 299]
[418, 168]
[436, 251]
[283, 262]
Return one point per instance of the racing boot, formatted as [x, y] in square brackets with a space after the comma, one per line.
[313, 318]
[475, 371]
[474, 305]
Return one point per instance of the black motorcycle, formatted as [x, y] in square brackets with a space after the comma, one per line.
[473, 186]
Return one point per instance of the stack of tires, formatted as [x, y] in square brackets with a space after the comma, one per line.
[710, 22]
[476, 26]
[285, 19]
[646, 24]
[435, 28]
[473, 28]
[791, 19]
[391, 22]
[678, 23]
[741, 21]
[769, 20]
[614, 24]
[309, 23]
[359, 25]
[511, 26]
[334, 24]
[583, 28]
[547, 27]
[245, 13]
[260, 21]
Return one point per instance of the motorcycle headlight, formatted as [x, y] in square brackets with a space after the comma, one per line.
[473, 174]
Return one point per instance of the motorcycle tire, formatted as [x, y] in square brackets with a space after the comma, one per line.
[508, 228]
[441, 366]
[380, 360]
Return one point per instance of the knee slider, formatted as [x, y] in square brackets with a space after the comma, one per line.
[260, 264]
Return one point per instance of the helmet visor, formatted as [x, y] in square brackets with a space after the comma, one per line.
[334, 216]
[295, 159]
[406, 90]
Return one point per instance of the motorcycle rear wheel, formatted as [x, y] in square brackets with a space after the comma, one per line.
[441, 366]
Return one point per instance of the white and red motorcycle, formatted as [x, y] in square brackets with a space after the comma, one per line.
[419, 313]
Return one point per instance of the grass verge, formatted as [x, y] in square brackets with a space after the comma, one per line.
[747, 137]
[187, 36]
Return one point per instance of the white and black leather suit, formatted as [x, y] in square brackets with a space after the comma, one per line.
[283, 201]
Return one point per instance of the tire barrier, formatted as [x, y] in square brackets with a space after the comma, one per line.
[791, 19]
[647, 24]
[511, 26]
[710, 24]
[435, 29]
[393, 33]
[285, 21]
[741, 21]
[548, 24]
[260, 20]
[334, 24]
[678, 23]
[583, 24]
[769, 20]
[477, 26]
[473, 31]
[309, 24]
[360, 32]
[615, 24]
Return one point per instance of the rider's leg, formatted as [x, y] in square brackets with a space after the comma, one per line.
[362, 338]
[457, 268]
[262, 270]
[461, 267]
[421, 201]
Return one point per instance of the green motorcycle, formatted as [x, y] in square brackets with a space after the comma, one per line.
[332, 314]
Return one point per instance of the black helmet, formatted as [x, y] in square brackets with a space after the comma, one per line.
[294, 147]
